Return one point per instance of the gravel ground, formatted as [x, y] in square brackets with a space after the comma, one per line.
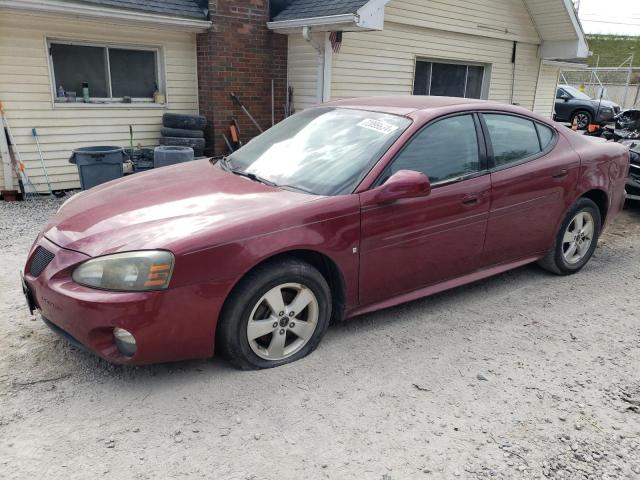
[525, 375]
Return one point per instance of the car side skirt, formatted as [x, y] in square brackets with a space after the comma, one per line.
[440, 287]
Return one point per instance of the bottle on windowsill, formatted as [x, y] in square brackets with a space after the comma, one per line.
[85, 92]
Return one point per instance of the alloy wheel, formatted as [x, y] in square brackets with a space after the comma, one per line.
[582, 119]
[578, 238]
[282, 321]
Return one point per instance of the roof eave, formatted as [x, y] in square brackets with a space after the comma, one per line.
[559, 49]
[577, 47]
[368, 17]
[59, 7]
[331, 21]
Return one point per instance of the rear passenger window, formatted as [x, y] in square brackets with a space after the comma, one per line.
[443, 151]
[546, 135]
[512, 138]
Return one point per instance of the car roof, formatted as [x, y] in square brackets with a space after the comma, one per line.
[406, 104]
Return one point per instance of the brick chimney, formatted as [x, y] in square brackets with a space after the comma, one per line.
[239, 54]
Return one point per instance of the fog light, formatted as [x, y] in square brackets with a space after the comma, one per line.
[125, 341]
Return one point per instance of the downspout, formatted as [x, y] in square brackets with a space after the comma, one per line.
[513, 71]
[306, 34]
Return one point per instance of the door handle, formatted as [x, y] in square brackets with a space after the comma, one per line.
[561, 174]
[470, 200]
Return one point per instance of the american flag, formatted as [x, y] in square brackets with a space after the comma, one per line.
[336, 41]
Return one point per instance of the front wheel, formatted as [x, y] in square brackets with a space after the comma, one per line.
[277, 314]
[576, 240]
[582, 119]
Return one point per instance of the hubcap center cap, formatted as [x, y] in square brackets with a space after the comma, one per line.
[284, 321]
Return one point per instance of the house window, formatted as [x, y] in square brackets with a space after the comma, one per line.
[111, 72]
[449, 79]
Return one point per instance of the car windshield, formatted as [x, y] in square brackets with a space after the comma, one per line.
[575, 93]
[324, 151]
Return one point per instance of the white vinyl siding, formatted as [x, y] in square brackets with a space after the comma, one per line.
[304, 70]
[546, 90]
[26, 89]
[506, 19]
[382, 63]
[526, 75]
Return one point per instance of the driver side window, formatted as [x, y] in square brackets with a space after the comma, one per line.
[442, 151]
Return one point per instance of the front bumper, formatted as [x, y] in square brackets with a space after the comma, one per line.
[605, 117]
[169, 325]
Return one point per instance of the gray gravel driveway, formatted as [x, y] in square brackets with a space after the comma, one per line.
[525, 375]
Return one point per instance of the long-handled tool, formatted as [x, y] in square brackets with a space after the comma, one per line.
[16, 160]
[237, 101]
[7, 155]
[34, 132]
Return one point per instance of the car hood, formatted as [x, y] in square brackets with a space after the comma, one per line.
[605, 103]
[181, 208]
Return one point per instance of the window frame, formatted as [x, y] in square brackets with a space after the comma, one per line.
[482, 152]
[490, 155]
[486, 74]
[160, 74]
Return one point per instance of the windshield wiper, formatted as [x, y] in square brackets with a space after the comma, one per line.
[253, 176]
[224, 163]
[299, 189]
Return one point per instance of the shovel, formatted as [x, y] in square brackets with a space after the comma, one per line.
[58, 194]
[237, 101]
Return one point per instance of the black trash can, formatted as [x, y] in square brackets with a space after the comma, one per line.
[98, 165]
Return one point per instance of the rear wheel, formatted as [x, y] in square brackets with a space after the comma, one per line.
[276, 315]
[582, 118]
[576, 241]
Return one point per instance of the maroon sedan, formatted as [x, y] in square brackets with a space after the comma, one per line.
[342, 209]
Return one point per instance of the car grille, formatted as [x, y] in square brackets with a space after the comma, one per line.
[39, 261]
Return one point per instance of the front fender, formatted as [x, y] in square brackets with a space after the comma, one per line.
[334, 233]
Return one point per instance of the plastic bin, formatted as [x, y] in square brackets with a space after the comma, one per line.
[168, 155]
[142, 158]
[98, 165]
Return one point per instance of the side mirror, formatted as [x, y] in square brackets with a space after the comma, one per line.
[402, 184]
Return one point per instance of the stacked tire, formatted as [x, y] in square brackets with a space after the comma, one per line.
[179, 130]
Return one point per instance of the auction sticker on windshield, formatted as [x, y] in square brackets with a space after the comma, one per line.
[378, 126]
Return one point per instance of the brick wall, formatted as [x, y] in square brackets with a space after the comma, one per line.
[239, 54]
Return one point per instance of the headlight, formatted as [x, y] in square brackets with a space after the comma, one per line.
[127, 272]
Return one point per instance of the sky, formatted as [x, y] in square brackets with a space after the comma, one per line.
[610, 16]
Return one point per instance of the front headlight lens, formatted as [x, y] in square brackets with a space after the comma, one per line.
[127, 272]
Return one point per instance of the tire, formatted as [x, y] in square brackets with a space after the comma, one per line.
[558, 259]
[247, 304]
[188, 122]
[181, 132]
[196, 143]
[584, 119]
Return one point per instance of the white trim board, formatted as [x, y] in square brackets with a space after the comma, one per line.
[60, 7]
[368, 17]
